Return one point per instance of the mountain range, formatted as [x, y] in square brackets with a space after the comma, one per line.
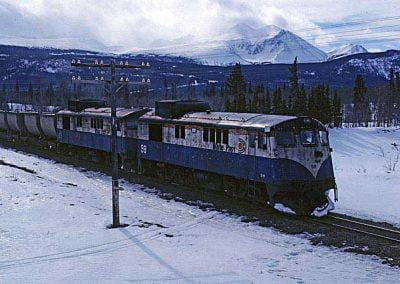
[241, 44]
[346, 50]
[40, 66]
[264, 45]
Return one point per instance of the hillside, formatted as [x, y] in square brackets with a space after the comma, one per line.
[41, 66]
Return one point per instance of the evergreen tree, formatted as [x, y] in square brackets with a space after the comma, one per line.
[50, 94]
[254, 103]
[336, 112]
[174, 91]
[39, 98]
[397, 97]
[284, 108]
[191, 88]
[326, 106]
[250, 90]
[228, 106]
[359, 100]
[290, 105]
[165, 88]
[298, 98]
[17, 94]
[301, 102]
[30, 94]
[294, 78]
[266, 103]
[222, 91]
[278, 103]
[319, 104]
[236, 88]
[212, 89]
[63, 94]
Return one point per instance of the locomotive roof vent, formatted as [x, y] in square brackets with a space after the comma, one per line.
[178, 108]
[79, 105]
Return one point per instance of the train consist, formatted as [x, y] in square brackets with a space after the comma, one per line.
[283, 161]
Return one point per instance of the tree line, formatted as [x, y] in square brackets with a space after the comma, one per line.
[58, 94]
[319, 102]
[379, 106]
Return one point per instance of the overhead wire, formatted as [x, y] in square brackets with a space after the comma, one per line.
[312, 37]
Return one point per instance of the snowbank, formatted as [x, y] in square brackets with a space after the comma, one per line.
[367, 169]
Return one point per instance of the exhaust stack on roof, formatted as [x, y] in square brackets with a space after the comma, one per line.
[178, 108]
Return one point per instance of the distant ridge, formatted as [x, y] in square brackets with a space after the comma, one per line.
[346, 50]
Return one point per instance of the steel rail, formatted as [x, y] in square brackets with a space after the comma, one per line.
[329, 220]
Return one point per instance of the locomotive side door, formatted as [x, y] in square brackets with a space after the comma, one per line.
[252, 166]
[252, 143]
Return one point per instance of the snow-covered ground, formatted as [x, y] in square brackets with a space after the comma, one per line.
[367, 168]
[53, 231]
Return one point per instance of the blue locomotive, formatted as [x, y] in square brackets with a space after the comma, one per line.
[283, 161]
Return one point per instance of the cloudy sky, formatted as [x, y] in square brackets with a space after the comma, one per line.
[129, 25]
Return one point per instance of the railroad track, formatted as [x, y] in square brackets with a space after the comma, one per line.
[361, 226]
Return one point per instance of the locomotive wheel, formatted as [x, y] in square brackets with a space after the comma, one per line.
[240, 190]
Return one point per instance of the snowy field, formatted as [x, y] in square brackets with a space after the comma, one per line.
[367, 169]
[53, 231]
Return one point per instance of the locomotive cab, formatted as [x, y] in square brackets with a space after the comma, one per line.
[302, 149]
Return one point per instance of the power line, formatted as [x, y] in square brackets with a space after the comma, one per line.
[366, 21]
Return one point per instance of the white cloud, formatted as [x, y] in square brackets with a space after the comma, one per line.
[133, 24]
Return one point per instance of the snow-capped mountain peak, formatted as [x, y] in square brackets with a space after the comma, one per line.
[244, 31]
[248, 45]
[271, 44]
[346, 50]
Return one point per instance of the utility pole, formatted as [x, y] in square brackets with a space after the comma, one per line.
[114, 88]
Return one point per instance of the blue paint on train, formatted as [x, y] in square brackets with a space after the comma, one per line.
[326, 170]
[97, 141]
[232, 164]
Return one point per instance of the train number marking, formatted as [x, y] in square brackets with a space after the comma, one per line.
[143, 149]
[230, 149]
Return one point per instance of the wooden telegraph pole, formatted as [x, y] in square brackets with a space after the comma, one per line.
[114, 88]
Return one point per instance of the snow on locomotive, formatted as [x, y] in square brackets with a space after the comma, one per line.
[284, 161]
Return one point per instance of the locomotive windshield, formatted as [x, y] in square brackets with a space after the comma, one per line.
[307, 137]
[285, 139]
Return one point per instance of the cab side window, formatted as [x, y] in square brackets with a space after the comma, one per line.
[323, 137]
[286, 139]
[252, 140]
[261, 141]
[180, 132]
